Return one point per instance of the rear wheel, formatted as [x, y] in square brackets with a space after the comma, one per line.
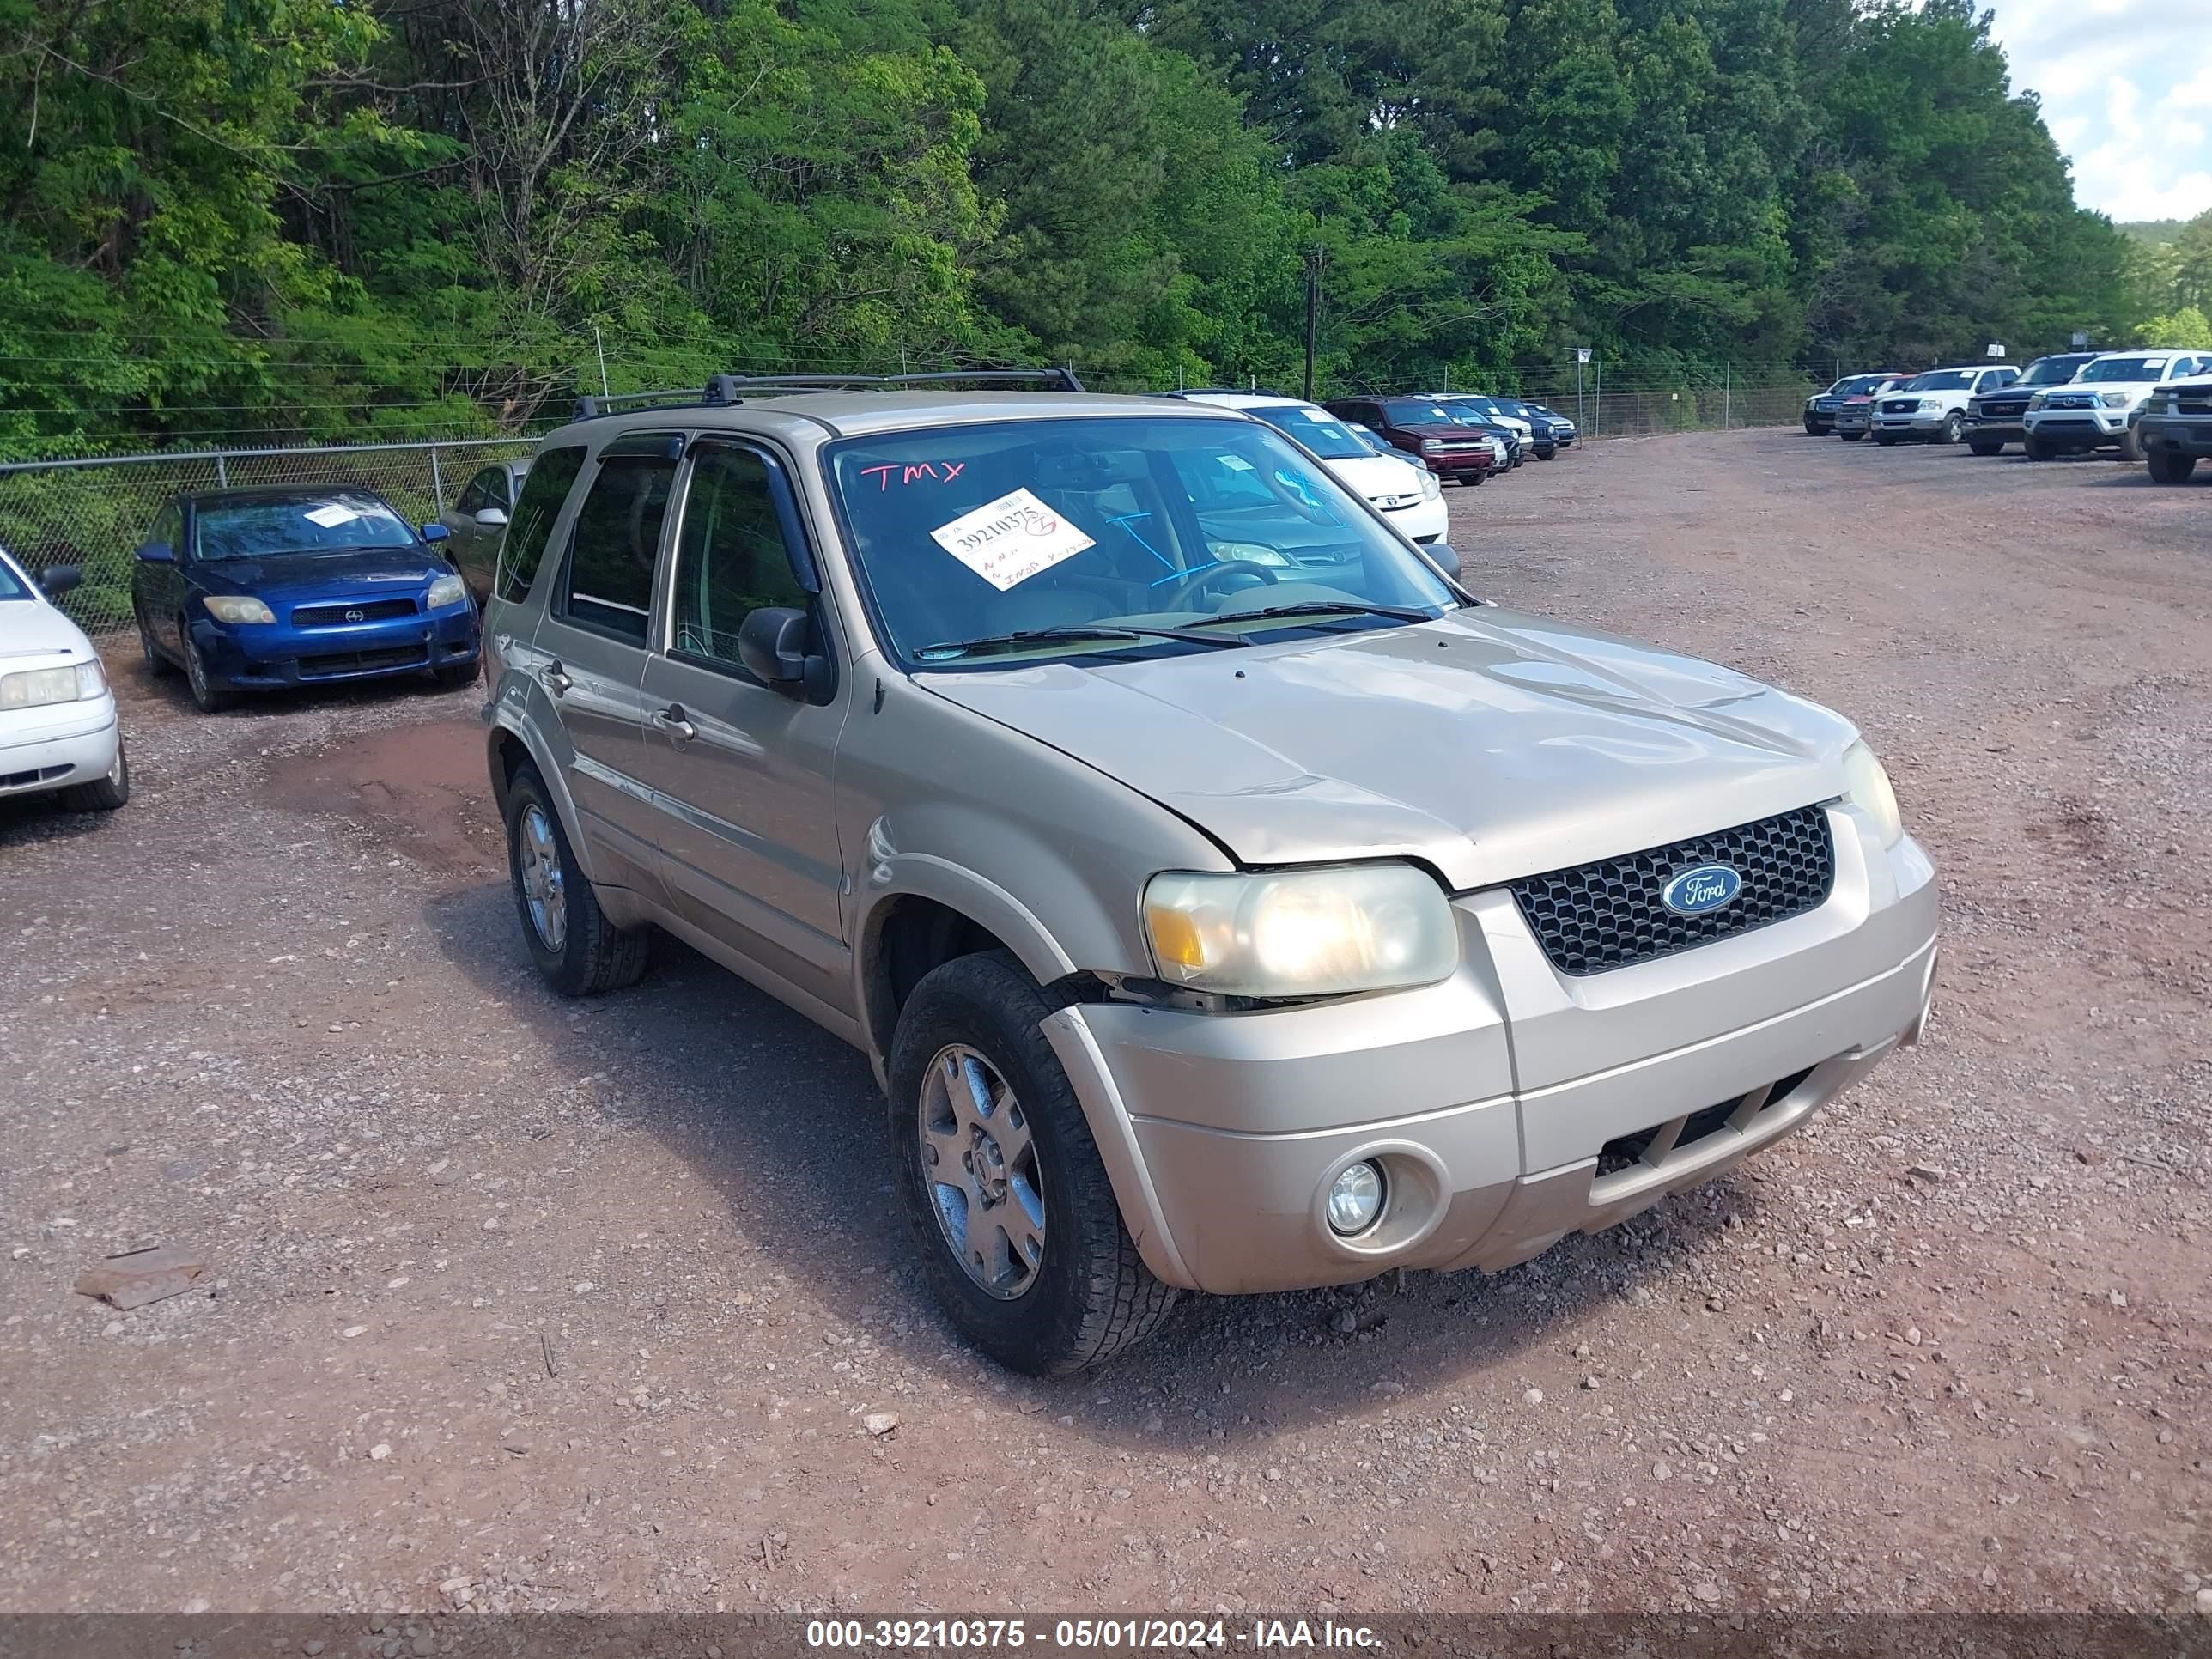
[1985, 445]
[579, 952]
[157, 662]
[2169, 468]
[1954, 423]
[1019, 1234]
[101, 794]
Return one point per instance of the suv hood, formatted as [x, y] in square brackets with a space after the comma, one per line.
[1487, 743]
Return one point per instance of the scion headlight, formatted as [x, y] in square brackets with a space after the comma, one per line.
[1866, 786]
[237, 608]
[1301, 933]
[447, 590]
[35, 687]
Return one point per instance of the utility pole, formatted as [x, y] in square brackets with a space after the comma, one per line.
[1313, 258]
[605, 390]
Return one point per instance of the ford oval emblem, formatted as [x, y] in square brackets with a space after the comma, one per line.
[1694, 892]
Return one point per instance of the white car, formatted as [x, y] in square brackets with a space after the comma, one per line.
[1411, 498]
[2095, 408]
[59, 732]
[1933, 406]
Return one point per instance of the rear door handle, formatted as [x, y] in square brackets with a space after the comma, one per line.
[555, 678]
[675, 722]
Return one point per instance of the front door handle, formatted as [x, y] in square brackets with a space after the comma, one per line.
[556, 679]
[673, 720]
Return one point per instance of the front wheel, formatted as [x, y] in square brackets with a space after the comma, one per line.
[2037, 449]
[207, 697]
[102, 795]
[1018, 1231]
[579, 952]
[456, 675]
[2169, 468]
[2131, 448]
[1954, 423]
[1850, 437]
[1886, 439]
[1983, 446]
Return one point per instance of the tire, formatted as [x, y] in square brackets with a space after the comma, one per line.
[1985, 445]
[1954, 424]
[2131, 449]
[1850, 437]
[1083, 1294]
[157, 661]
[1811, 431]
[101, 794]
[2169, 468]
[207, 697]
[2037, 449]
[1886, 439]
[580, 953]
[452, 680]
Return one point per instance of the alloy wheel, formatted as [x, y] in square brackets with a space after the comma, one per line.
[545, 883]
[980, 1164]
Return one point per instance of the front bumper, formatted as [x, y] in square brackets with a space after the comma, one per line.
[2078, 428]
[1921, 423]
[2004, 429]
[1424, 521]
[1508, 1105]
[256, 658]
[2176, 434]
[58, 746]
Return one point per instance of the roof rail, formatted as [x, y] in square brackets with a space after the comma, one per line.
[723, 389]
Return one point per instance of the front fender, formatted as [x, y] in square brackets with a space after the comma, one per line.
[505, 726]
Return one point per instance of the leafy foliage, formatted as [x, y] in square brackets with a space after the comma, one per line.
[232, 220]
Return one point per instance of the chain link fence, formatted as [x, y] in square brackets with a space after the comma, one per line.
[94, 513]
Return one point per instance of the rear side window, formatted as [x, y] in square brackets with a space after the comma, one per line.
[523, 547]
[608, 580]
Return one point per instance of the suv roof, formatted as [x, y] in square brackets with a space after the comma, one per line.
[854, 406]
[1230, 398]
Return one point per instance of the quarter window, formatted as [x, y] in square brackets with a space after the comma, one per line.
[732, 557]
[608, 582]
[542, 492]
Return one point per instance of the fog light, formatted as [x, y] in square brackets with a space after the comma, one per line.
[1355, 1198]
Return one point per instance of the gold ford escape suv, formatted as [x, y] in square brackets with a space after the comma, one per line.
[1227, 899]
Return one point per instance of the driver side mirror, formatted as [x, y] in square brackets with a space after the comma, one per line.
[157, 553]
[491, 518]
[1442, 555]
[772, 646]
[435, 532]
[58, 580]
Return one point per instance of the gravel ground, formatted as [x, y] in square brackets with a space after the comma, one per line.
[515, 1304]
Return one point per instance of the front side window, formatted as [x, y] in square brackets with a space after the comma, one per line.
[732, 557]
[2126, 369]
[13, 584]
[289, 524]
[1106, 531]
[523, 548]
[607, 583]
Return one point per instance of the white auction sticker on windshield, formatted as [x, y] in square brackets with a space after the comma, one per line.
[1010, 540]
[331, 514]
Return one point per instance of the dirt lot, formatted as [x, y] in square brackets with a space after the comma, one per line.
[521, 1304]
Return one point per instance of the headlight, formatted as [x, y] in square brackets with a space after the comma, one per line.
[237, 608]
[1428, 445]
[2116, 399]
[2162, 403]
[1431, 486]
[1301, 933]
[34, 688]
[447, 590]
[2036, 402]
[1931, 402]
[1866, 786]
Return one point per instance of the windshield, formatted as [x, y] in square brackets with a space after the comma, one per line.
[1942, 379]
[312, 521]
[1406, 412]
[966, 536]
[2052, 371]
[1317, 428]
[1852, 384]
[2126, 369]
[12, 584]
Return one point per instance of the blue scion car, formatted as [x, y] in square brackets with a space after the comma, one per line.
[298, 585]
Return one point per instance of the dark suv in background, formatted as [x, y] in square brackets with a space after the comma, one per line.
[1994, 419]
[1449, 446]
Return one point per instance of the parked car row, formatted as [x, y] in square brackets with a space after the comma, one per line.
[2149, 404]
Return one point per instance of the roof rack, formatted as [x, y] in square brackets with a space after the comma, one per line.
[723, 389]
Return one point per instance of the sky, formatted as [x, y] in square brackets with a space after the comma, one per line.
[2127, 91]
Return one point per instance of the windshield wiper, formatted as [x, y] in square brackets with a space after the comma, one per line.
[1318, 608]
[1102, 631]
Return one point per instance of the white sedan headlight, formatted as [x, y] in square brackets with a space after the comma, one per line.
[1431, 486]
[1866, 786]
[1301, 933]
[237, 608]
[35, 687]
[447, 590]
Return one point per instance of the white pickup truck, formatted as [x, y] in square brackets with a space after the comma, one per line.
[2096, 409]
[1932, 407]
